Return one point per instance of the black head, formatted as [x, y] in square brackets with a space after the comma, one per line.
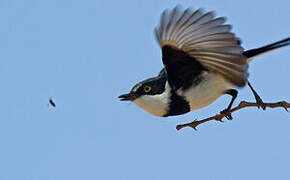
[151, 86]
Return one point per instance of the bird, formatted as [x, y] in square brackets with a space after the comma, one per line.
[202, 60]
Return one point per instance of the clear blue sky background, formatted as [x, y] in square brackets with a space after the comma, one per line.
[84, 54]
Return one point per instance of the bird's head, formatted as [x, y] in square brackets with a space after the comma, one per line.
[150, 95]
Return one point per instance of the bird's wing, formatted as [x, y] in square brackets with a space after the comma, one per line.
[193, 41]
[162, 72]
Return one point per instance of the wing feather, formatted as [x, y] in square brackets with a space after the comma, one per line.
[205, 38]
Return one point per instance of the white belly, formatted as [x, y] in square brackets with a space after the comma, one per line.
[207, 91]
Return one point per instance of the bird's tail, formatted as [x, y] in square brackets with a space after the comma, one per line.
[250, 54]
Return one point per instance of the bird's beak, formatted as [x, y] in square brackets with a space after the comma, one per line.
[128, 97]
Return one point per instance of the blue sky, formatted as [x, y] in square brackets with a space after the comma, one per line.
[84, 54]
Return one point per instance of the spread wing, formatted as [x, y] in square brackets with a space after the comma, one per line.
[193, 41]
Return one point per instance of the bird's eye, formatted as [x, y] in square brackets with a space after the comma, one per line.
[147, 89]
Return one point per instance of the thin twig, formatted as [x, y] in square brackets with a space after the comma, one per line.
[242, 104]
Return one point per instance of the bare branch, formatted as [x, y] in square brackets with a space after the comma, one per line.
[242, 104]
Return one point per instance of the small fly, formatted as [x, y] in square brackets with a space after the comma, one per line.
[51, 102]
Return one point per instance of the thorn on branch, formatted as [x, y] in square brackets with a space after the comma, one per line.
[284, 105]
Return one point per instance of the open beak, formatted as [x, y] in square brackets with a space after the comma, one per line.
[127, 97]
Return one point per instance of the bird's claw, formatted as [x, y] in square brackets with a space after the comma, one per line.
[226, 114]
[260, 102]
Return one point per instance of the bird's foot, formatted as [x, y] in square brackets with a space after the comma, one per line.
[260, 102]
[227, 114]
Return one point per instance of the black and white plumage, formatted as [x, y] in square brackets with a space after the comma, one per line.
[202, 61]
[204, 39]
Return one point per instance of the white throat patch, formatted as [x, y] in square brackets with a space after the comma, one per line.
[157, 105]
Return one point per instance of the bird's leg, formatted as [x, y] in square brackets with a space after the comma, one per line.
[257, 97]
[234, 94]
